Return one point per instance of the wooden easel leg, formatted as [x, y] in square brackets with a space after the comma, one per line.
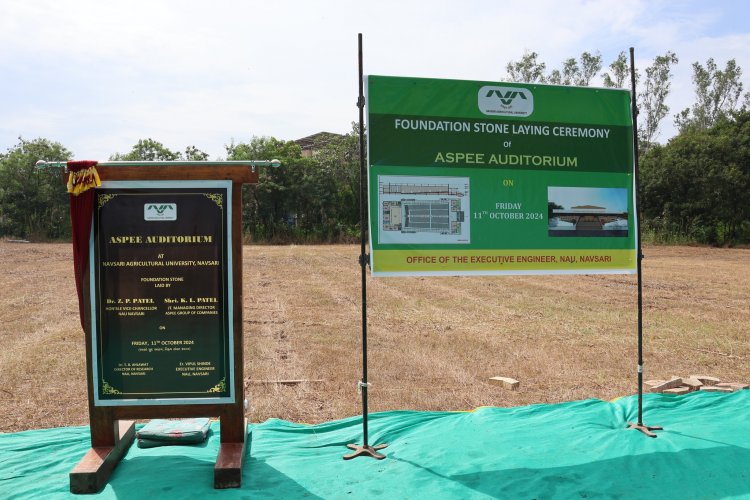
[228, 469]
[93, 471]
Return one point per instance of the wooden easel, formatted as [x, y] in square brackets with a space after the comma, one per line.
[112, 427]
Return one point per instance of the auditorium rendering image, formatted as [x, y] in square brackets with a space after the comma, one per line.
[587, 212]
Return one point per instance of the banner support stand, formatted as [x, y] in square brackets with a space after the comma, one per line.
[640, 426]
[365, 449]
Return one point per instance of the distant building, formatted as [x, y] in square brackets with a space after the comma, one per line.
[312, 143]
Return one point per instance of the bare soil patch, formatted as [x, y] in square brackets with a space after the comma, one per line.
[433, 342]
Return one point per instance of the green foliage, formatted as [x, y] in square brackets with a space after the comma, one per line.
[339, 159]
[694, 189]
[194, 154]
[148, 150]
[305, 199]
[551, 206]
[620, 73]
[698, 186]
[313, 199]
[573, 73]
[33, 201]
[151, 150]
[527, 69]
[580, 72]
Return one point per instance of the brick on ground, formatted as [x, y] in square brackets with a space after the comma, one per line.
[734, 385]
[706, 380]
[713, 388]
[677, 390]
[693, 383]
[653, 383]
[506, 382]
[669, 384]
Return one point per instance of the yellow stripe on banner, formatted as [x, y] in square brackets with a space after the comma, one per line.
[416, 261]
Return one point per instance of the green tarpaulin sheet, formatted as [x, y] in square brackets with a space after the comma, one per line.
[579, 449]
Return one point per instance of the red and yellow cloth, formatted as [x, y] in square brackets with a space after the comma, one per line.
[82, 176]
[82, 180]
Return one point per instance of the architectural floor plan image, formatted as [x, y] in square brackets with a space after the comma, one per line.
[415, 210]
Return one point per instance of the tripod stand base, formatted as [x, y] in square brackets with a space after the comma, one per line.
[646, 429]
[365, 451]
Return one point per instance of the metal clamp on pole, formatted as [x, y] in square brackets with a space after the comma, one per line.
[360, 385]
[364, 259]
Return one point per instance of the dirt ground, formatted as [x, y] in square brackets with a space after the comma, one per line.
[433, 342]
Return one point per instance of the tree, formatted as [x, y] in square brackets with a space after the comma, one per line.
[566, 75]
[339, 159]
[620, 73]
[308, 198]
[33, 201]
[573, 73]
[698, 185]
[270, 206]
[147, 150]
[151, 150]
[194, 154]
[527, 69]
[551, 207]
[653, 96]
[717, 95]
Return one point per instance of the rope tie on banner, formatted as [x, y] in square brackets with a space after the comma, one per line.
[83, 180]
[361, 384]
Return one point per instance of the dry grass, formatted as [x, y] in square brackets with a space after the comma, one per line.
[433, 342]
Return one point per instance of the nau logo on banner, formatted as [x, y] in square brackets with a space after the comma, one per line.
[160, 211]
[505, 101]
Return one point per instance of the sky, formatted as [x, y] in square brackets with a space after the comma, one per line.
[98, 75]
[613, 199]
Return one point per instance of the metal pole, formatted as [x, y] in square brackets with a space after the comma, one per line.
[639, 254]
[178, 163]
[365, 449]
[362, 235]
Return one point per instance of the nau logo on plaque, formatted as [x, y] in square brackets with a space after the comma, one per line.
[160, 211]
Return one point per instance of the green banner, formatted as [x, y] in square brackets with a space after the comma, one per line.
[499, 178]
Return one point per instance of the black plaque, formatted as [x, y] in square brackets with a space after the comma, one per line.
[162, 294]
